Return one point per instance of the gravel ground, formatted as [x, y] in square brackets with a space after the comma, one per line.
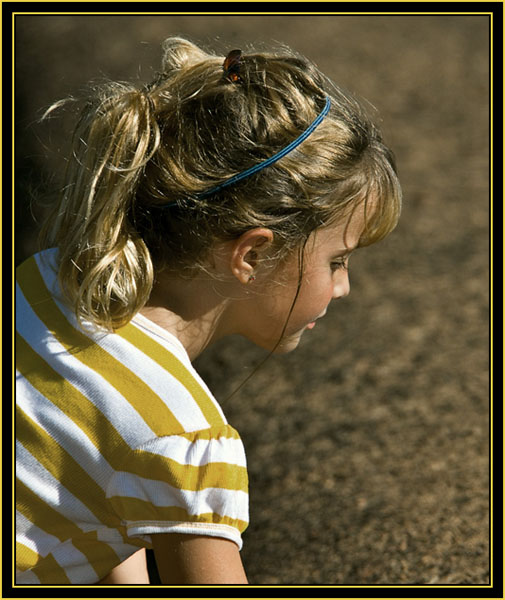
[368, 447]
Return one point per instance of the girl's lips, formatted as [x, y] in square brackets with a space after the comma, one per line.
[313, 324]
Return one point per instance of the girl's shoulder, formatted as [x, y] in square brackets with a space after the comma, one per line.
[140, 370]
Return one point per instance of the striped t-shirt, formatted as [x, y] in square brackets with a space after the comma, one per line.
[117, 438]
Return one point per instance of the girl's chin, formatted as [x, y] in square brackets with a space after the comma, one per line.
[285, 349]
[288, 343]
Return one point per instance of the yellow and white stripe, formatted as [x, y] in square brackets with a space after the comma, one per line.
[117, 438]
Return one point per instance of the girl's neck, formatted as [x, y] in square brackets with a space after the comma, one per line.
[191, 310]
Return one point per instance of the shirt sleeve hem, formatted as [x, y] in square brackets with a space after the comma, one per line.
[146, 528]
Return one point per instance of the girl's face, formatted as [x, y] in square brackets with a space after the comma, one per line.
[325, 278]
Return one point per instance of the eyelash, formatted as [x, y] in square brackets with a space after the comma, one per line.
[340, 264]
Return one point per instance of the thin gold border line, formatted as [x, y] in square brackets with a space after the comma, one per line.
[491, 15]
[13, 299]
[491, 358]
[491, 196]
[251, 13]
[440, 587]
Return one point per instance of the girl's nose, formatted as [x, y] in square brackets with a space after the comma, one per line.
[342, 287]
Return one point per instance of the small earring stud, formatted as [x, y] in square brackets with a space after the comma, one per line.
[252, 277]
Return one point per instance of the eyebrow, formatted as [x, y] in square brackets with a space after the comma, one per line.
[344, 251]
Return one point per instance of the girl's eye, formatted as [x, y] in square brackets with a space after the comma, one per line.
[340, 264]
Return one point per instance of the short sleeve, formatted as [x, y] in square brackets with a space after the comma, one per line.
[188, 483]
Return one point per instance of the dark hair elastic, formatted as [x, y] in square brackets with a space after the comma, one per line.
[231, 66]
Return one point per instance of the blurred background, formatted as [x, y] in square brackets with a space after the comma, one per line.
[368, 447]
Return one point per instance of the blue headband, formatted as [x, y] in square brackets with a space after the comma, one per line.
[272, 159]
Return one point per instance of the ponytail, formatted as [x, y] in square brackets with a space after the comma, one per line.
[105, 269]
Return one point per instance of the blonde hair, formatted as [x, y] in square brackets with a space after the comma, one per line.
[136, 150]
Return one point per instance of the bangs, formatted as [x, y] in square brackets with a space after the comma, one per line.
[382, 202]
[371, 186]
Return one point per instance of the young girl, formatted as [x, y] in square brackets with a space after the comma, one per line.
[223, 198]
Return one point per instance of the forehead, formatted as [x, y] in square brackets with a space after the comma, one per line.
[344, 234]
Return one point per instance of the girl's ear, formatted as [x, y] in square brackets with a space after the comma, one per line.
[247, 251]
